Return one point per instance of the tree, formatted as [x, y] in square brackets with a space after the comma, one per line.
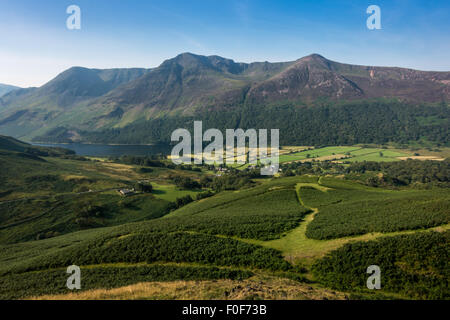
[145, 187]
[185, 182]
[180, 202]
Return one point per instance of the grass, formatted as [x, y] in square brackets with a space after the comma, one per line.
[260, 286]
[377, 155]
[170, 192]
[315, 153]
[29, 220]
[344, 153]
[20, 183]
[415, 265]
[16, 286]
[248, 230]
[258, 213]
[351, 209]
[297, 248]
[295, 245]
[47, 199]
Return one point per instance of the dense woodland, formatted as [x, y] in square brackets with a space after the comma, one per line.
[403, 173]
[324, 123]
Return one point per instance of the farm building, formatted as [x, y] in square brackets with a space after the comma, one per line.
[126, 192]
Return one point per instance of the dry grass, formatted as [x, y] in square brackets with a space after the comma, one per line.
[113, 170]
[74, 178]
[441, 152]
[258, 287]
[422, 158]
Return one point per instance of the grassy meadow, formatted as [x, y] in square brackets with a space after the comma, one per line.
[348, 154]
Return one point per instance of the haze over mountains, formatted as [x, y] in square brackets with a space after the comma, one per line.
[81, 103]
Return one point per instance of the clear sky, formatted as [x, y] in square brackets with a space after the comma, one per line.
[35, 44]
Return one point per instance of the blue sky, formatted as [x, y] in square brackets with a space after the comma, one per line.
[35, 44]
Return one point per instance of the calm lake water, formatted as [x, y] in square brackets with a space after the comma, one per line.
[100, 150]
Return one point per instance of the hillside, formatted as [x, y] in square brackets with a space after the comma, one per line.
[14, 146]
[9, 143]
[26, 110]
[5, 88]
[314, 76]
[266, 240]
[238, 235]
[144, 106]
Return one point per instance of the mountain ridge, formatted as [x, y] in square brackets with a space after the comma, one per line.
[5, 88]
[87, 100]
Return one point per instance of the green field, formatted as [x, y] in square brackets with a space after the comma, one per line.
[344, 153]
[170, 192]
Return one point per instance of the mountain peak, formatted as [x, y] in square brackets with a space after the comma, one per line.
[189, 84]
[314, 58]
[186, 59]
[186, 56]
[190, 61]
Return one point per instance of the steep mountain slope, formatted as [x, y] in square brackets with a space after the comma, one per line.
[190, 81]
[26, 110]
[5, 88]
[73, 85]
[315, 77]
[82, 101]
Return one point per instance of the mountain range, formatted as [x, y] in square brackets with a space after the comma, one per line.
[92, 105]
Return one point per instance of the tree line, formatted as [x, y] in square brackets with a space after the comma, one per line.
[349, 123]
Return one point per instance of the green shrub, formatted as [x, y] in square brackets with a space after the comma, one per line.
[414, 265]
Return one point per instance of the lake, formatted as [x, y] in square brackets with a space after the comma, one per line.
[105, 150]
